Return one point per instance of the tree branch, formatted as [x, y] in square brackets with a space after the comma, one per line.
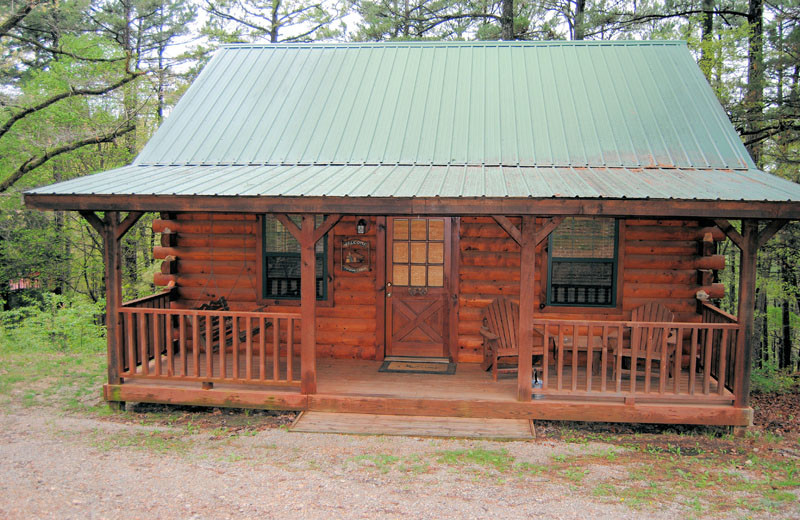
[17, 17]
[64, 95]
[35, 162]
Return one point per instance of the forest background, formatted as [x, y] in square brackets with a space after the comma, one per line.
[85, 83]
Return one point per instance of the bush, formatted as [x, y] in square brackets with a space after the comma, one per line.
[769, 379]
[54, 324]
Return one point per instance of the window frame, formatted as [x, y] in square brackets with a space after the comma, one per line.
[327, 268]
[616, 295]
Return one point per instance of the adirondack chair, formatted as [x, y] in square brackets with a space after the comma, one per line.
[499, 331]
[649, 340]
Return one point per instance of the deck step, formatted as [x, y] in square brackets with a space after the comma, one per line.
[413, 425]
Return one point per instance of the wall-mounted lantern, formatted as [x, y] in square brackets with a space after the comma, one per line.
[361, 226]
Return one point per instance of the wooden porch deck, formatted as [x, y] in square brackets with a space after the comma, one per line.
[357, 386]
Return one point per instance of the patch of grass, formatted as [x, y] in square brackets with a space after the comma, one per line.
[381, 461]
[500, 460]
[156, 441]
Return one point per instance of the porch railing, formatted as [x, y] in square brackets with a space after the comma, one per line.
[670, 361]
[208, 346]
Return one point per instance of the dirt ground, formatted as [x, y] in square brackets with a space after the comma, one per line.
[179, 462]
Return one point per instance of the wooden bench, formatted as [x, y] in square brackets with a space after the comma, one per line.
[500, 331]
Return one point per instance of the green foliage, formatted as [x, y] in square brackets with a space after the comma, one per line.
[56, 324]
[770, 379]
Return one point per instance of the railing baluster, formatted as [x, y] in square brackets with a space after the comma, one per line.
[648, 356]
[618, 360]
[170, 353]
[545, 356]
[662, 363]
[604, 360]
[196, 344]
[262, 348]
[723, 360]
[209, 349]
[235, 347]
[636, 329]
[182, 345]
[276, 349]
[589, 356]
[289, 341]
[707, 347]
[560, 362]
[130, 319]
[693, 360]
[676, 371]
[574, 368]
[222, 339]
[248, 348]
[143, 343]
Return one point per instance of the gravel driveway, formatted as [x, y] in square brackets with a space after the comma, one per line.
[61, 466]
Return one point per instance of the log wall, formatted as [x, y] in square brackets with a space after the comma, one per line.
[208, 256]
[211, 256]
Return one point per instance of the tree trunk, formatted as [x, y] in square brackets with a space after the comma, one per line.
[507, 20]
[706, 61]
[580, 11]
[755, 75]
[787, 276]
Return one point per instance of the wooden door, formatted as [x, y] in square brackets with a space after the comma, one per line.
[417, 288]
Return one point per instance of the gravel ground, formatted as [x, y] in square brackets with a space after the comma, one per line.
[57, 466]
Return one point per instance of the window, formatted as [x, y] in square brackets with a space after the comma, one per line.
[582, 263]
[282, 261]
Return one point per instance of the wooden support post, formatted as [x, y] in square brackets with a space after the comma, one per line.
[112, 259]
[526, 307]
[308, 307]
[747, 298]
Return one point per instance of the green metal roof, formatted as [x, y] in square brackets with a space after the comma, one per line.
[626, 104]
[619, 120]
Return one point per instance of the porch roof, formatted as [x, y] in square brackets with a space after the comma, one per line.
[543, 120]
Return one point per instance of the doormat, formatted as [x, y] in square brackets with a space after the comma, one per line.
[418, 366]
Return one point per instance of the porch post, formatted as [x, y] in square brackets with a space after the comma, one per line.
[747, 291]
[112, 259]
[308, 307]
[527, 273]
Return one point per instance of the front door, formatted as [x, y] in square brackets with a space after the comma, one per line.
[417, 289]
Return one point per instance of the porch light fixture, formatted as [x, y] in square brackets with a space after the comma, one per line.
[361, 226]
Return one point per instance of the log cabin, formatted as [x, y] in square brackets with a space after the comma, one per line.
[326, 209]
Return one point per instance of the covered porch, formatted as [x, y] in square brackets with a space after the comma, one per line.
[250, 359]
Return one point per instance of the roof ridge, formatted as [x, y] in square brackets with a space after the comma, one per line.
[456, 43]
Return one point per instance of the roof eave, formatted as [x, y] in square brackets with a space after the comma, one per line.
[455, 206]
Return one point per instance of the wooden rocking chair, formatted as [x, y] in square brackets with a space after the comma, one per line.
[647, 342]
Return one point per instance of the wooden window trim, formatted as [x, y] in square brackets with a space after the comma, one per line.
[261, 271]
[546, 307]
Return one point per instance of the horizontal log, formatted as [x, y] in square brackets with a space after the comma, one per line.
[469, 357]
[345, 325]
[681, 277]
[216, 240]
[189, 266]
[689, 305]
[671, 291]
[363, 284]
[655, 262]
[471, 272]
[205, 227]
[497, 288]
[214, 216]
[486, 258]
[215, 254]
[212, 293]
[656, 247]
[489, 230]
[671, 233]
[240, 398]
[346, 351]
[201, 280]
[632, 222]
[489, 244]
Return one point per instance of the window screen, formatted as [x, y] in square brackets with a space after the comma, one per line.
[282, 261]
[583, 263]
